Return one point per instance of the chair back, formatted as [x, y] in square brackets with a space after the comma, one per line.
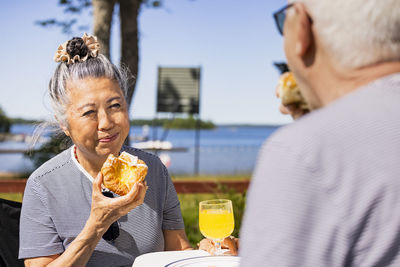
[10, 212]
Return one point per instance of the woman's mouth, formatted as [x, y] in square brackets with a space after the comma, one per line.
[109, 138]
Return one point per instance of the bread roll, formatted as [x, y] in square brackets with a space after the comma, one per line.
[289, 91]
[121, 173]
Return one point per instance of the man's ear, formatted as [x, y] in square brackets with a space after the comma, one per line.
[305, 38]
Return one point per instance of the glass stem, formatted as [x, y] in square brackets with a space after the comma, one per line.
[217, 244]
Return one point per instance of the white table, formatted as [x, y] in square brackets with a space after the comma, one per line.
[165, 257]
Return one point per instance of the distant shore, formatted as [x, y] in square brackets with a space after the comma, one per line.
[157, 122]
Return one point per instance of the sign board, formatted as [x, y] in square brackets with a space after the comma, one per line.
[178, 90]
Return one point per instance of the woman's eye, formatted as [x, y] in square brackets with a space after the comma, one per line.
[88, 113]
[116, 105]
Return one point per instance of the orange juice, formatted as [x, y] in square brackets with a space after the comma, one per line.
[216, 223]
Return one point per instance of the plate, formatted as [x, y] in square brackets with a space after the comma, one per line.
[206, 261]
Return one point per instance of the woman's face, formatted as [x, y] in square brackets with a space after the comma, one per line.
[97, 116]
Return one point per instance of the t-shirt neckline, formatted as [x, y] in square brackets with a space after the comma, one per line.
[79, 165]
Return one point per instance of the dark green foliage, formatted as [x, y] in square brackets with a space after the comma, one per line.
[152, 3]
[238, 203]
[5, 122]
[190, 214]
[75, 8]
[24, 121]
[177, 123]
[58, 143]
[188, 123]
[153, 122]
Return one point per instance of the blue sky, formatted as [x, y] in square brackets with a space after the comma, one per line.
[234, 42]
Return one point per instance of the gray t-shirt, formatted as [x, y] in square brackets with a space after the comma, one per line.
[56, 206]
[326, 189]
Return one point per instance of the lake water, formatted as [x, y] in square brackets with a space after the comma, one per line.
[224, 150]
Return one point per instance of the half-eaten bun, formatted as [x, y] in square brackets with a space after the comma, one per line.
[289, 91]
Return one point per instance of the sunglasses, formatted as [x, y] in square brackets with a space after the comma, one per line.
[112, 232]
[280, 17]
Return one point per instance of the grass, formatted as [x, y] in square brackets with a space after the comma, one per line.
[12, 196]
[190, 204]
[190, 212]
[226, 177]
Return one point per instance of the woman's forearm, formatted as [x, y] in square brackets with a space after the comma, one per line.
[80, 250]
[176, 240]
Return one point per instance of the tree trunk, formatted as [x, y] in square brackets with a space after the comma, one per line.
[102, 18]
[129, 11]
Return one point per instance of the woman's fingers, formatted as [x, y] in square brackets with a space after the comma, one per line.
[118, 206]
[133, 193]
[231, 243]
[137, 192]
[97, 182]
[134, 198]
[207, 245]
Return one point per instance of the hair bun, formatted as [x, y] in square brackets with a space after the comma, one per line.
[77, 49]
[77, 46]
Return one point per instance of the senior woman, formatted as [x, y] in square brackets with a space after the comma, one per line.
[66, 220]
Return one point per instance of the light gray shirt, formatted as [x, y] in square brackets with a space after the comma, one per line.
[56, 206]
[326, 189]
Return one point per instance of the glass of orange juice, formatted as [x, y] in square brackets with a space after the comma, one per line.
[216, 220]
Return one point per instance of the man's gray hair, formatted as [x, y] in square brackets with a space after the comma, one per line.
[97, 67]
[358, 33]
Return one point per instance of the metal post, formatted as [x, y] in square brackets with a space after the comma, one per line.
[197, 134]
[197, 147]
[155, 135]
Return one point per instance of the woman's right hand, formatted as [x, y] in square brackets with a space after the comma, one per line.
[105, 210]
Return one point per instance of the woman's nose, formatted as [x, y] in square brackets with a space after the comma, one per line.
[105, 121]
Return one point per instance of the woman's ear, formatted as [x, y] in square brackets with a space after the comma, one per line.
[65, 130]
[63, 126]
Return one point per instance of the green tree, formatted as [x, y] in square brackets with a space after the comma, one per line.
[188, 123]
[103, 11]
[58, 143]
[5, 122]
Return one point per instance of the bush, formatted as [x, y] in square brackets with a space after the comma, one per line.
[188, 123]
[5, 122]
[57, 143]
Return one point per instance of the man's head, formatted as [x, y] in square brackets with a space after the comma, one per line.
[339, 35]
[357, 32]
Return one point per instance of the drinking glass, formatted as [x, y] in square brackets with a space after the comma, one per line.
[216, 221]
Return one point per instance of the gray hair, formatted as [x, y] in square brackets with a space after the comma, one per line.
[358, 33]
[96, 67]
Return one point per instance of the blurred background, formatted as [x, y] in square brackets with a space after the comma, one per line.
[234, 43]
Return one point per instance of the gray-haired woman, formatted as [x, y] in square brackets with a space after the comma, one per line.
[65, 219]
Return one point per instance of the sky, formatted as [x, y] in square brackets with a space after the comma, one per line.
[235, 42]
